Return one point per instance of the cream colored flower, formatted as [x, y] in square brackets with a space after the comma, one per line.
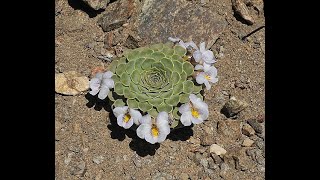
[209, 75]
[154, 132]
[127, 116]
[196, 111]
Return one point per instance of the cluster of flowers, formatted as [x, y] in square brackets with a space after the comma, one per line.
[156, 130]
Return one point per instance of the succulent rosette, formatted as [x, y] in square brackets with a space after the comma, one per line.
[153, 79]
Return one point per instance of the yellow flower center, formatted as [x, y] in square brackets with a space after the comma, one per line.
[207, 77]
[195, 113]
[126, 118]
[154, 130]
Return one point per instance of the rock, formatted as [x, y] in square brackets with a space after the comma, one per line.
[188, 21]
[98, 159]
[208, 137]
[184, 176]
[67, 160]
[256, 155]
[247, 130]
[79, 169]
[97, 4]
[71, 83]
[241, 9]
[233, 107]
[162, 176]
[116, 14]
[247, 142]
[217, 159]
[197, 158]
[216, 149]
[230, 130]
[255, 125]
[238, 159]
[204, 163]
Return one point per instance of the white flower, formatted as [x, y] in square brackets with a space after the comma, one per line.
[203, 56]
[187, 45]
[196, 111]
[209, 75]
[154, 132]
[101, 83]
[127, 116]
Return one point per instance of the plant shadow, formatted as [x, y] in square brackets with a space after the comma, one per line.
[96, 103]
[140, 146]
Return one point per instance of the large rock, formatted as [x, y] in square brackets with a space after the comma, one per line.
[97, 4]
[160, 19]
[116, 14]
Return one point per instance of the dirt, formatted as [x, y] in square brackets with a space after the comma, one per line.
[89, 143]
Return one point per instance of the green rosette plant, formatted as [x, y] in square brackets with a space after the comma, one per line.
[153, 79]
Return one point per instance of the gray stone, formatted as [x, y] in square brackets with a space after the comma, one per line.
[116, 15]
[241, 9]
[79, 169]
[217, 159]
[98, 159]
[247, 142]
[184, 176]
[204, 163]
[97, 4]
[247, 130]
[188, 21]
[255, 125]
[233, 107]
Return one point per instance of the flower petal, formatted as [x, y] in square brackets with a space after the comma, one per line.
[192, 44]
[196, 120]
[208, 57]
[142, 130]
[149, 138]
[99, 75]
[120, 110]
[198, 67]
[107, 75]
[197, 55]
[104, 91]
[202, 47]
[184, 108]
[136, 115]
[162, 118]
[174, 39]
[108, 83]
[146, 119]
[200, 78]
[204, 113]
[186, 118]
[128, 124]
[94, 86]
[120, 120]
[208, 85]
[162, 137]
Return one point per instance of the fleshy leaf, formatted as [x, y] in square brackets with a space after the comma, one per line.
[119, 103]
[175, 77]
[197, 89]
[173, 100]
[144, 106]
[147, 63]
[180, 51]
[128, 94]
[120, 69]
[135, 76]
[130, 66]
[177, 66]
[153, 112]
[178, 88]
[184, 98]
[133, 55]
[118, 88]
[164, 107]
[125, 79]
[188, 68]
[187, 86]
[155, 101]
[133, 103]
[167, 63]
